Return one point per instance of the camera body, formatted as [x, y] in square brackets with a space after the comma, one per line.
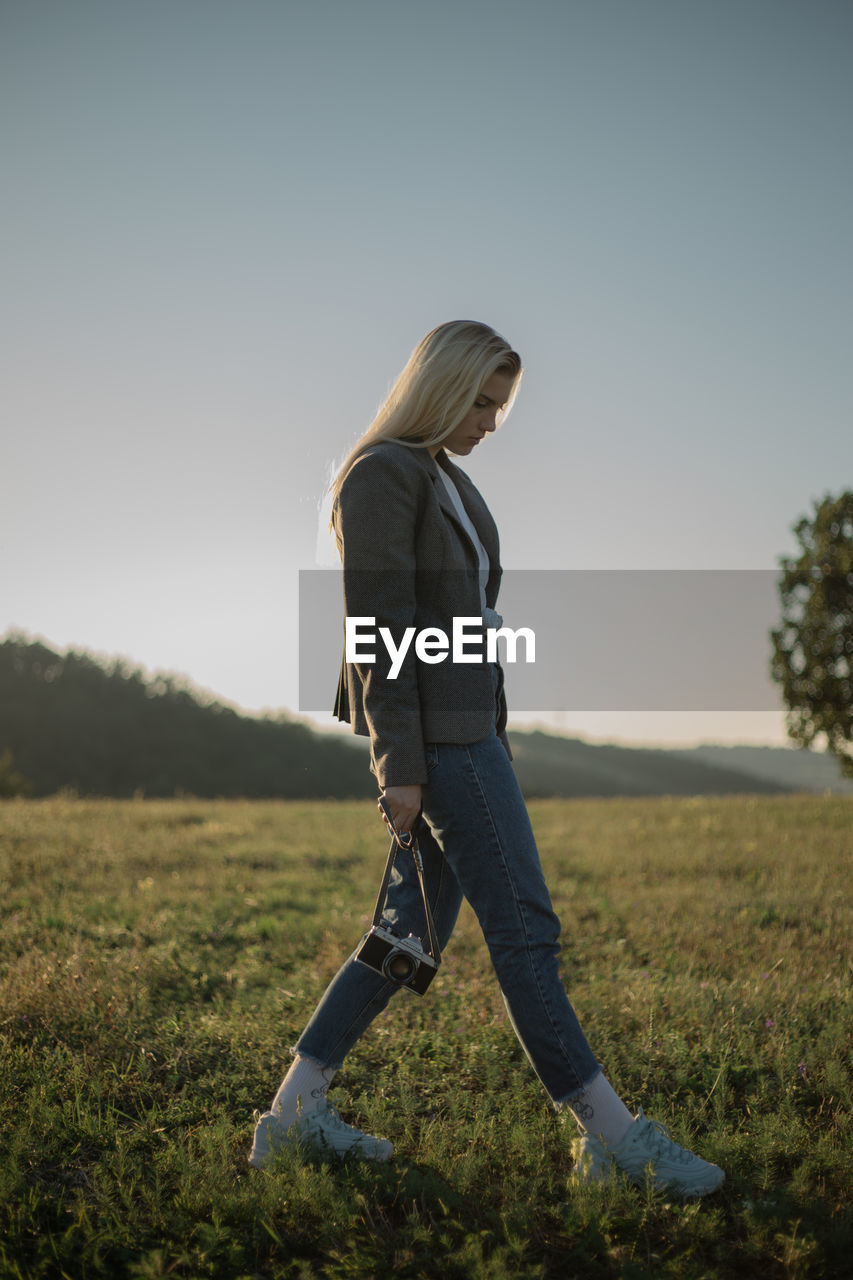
[400, 960]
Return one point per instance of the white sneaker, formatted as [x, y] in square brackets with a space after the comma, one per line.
[647, 1146]
[323, 1129]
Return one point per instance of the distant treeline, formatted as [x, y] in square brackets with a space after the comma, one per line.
[71, 721]
[103, 728]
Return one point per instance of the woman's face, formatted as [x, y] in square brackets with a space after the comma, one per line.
[479, 420]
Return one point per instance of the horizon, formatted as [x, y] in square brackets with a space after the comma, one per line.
[530, 722]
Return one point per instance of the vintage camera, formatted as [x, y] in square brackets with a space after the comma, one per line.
[401, 960]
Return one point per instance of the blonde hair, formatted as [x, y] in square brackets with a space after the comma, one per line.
[437, 388]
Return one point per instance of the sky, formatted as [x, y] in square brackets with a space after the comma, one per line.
[226, 223]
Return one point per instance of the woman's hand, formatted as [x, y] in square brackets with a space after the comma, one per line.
[405, 804]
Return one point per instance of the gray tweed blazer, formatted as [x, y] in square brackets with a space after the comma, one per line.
[407, 561]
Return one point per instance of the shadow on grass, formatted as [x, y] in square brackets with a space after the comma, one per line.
[143, 1200]
[408, 1218]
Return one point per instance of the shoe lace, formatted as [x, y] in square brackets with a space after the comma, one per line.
[334, 1121]
[660, 1142]
[329, 1114]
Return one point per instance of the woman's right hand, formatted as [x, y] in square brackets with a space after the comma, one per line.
[405, 805]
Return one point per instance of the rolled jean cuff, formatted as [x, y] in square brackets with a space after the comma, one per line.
[577, 1093]
[296, 1052]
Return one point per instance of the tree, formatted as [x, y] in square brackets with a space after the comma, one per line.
[813, 647]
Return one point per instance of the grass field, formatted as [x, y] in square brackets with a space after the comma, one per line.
[158, 958]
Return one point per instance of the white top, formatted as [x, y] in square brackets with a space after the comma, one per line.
[490, 617]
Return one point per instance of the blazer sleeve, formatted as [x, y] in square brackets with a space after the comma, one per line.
[376, 519]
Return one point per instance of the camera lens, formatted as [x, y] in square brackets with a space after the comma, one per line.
[400, 967]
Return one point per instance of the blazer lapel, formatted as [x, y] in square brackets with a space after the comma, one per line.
[478, 512]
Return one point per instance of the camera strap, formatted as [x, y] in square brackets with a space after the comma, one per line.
[412, 848]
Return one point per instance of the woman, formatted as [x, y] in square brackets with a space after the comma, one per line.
[419, 547]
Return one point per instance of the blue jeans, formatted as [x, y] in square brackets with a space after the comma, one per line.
[475, 840]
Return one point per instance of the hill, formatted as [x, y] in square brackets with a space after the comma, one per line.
[73, 721]
[792, 767]
[102, 727]
[547, 765]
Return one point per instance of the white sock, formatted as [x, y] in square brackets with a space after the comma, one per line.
[600, 1110]
[301, 1091]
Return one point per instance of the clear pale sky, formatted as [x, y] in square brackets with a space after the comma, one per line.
[226, 224]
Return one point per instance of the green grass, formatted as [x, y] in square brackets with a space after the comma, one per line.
[158, 958]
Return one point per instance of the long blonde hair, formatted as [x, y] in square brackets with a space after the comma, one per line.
[437, 387]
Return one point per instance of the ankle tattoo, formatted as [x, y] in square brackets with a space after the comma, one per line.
[582, 1110]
